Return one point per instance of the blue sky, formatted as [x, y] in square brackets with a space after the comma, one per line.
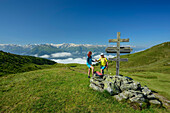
[145, 22]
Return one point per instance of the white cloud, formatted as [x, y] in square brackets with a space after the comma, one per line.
[63, 54]
[107, 56]
[71, 60]
[79, 60]
[36, 55]
[45, 56]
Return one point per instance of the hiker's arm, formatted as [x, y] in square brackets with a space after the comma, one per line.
[107, 64]
[98, 60]
[93, 61]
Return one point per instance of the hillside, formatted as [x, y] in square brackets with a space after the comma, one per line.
[64, 88]
[156, 58]
[11, 63]
[159, 53]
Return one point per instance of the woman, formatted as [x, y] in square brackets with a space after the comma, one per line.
[89, 63]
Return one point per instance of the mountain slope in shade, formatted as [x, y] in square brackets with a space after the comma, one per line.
[11, 63]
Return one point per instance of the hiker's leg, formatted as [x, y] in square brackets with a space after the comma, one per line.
[101, 70]
[92, 69]
[89, 72]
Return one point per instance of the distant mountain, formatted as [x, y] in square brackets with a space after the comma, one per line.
[16, 49]
[49, 50]
[11, 63]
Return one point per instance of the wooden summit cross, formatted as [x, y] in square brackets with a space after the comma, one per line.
[118, 50]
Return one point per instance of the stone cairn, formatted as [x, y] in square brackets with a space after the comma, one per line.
[125, 89]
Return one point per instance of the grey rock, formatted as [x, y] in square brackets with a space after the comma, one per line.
[124, 96]
[137, 99]
[107, 87]
[146, 91]
[155, 102]
[118, 98]
[128, 94]
[135, 85]
[93, 86]
[140, 95]
[98, 83]
[115, 87]
[152, 96]
[124, 88]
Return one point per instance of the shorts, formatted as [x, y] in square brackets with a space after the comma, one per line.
[88, 65]
[103, 67]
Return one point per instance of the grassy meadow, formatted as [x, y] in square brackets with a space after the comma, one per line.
[65, 87]
[62, 88]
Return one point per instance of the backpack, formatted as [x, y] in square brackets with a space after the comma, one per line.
[98, 74]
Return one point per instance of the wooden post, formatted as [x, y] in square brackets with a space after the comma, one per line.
[118, 53]
[118, 50]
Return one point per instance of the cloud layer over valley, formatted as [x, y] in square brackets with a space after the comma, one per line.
[79, 60]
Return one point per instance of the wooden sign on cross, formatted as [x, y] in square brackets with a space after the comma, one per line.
[118, 50]
[121, 59]
[122, 49]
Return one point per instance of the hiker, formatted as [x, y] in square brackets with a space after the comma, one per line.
[104, 63]
[89, 63]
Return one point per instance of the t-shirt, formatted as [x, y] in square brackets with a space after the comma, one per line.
[103, 61]
[89, 60]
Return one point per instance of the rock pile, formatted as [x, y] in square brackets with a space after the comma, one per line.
[125, 89]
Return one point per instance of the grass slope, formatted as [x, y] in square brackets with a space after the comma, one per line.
[65, 88]
[156, 58]
[11, 63]
[154, 54]
[61, 89]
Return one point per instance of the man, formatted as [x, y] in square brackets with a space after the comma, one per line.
[104, 63]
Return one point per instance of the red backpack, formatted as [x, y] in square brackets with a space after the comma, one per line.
[99, 74]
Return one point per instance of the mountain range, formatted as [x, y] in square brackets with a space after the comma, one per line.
[59, 51]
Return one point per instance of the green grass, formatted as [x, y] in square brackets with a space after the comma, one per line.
[64, 88]
[11, 63]
[155, 56]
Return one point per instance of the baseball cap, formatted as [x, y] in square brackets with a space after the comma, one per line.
[102, 54]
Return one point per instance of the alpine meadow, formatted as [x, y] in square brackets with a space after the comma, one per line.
[30, 84]
[84, 56]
